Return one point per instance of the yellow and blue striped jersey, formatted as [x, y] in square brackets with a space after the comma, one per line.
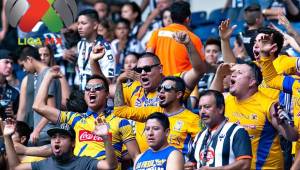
[254, 115]
[88, 144]
[184, 125]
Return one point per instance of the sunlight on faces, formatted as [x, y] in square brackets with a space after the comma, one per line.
[45, 55]
[212, 52]
[208, 110]
[149, 80]
[95, 98]
[130, 62]
[61, 144]
[86, 26]
[241, 79]
[167, 94]
[155, 133]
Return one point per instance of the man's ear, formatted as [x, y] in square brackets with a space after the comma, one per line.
[95, 27]
[274, 48]
[179, 94]
[23, 139]
[161, 69]
[167, 132]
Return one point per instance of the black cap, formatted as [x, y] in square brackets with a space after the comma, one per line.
[62, 129]
[5, 54]
[253, 7]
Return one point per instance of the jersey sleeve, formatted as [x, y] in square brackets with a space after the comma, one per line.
[70, 118]
[126, 130]
[152, 42]
[194, 127]
[139, 114]
[272, 79]
[241, 145]
[286, 64]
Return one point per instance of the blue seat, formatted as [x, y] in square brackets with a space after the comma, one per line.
[198, 18]
[206, 31]
[218, 15]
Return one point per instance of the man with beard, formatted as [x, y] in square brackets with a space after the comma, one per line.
[148, 76]
[184, 124]
[95, 95]
[62, 145]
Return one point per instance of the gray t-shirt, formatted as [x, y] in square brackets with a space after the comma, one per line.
[55, 91]
[77, 163]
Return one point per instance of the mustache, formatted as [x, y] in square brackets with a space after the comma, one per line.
[203, 115]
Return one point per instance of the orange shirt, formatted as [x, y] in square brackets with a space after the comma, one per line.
[173, 55]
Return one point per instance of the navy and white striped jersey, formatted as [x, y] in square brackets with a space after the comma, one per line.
[107, 63]
[224, 146]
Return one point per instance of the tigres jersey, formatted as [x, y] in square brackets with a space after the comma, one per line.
[253, 114]
[184, 125]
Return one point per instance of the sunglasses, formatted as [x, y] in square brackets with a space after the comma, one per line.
[167, 88]
[94, 87]
[146, 68]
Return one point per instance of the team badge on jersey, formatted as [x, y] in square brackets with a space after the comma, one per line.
[178, 125]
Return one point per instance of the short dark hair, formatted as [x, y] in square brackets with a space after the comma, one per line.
[104, 2]
[220, 102]
[256, 72]
[76, 102]
[90, 13]
[23, 130]
[213, 41]
[123, 21]
[135, 8]
[162, 118]
[154, 57]
[105, 82]
[179, 83]
[180, 11]
[277, 37]
[29, 51]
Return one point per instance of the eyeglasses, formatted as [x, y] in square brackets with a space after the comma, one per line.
[146, 68]
[94, 87]
[167, 88]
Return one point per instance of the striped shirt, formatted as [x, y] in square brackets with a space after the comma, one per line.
[224, 145]
[107, 63]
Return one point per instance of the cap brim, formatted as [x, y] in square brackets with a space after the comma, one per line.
[53, 131]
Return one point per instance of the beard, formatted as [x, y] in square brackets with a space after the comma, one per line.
[63, 158]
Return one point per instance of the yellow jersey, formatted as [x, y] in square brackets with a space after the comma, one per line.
[253, 114]
[184, 125]
[135, 96]
[88, 144]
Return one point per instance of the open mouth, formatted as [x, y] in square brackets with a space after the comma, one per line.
[92, 98]
[145, 81]
[56, 149]
[204, 116]
[256, 54]
[232, 82]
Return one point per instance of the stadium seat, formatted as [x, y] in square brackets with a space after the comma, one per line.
[206, 31]
[198, 18]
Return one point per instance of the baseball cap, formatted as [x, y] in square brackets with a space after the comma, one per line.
[62, 129]
[253, 7]
[5, 54]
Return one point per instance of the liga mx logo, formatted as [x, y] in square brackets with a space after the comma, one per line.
[54, 13]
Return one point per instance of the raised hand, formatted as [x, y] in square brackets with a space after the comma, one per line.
[225, 69]
[225, 31]
[97, 53]
[9, 127]
[181, 37]
[128, 74]
[101, 128]
[55, 72]
[266, 46]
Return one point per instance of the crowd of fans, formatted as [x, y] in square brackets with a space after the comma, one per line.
[113, 91]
